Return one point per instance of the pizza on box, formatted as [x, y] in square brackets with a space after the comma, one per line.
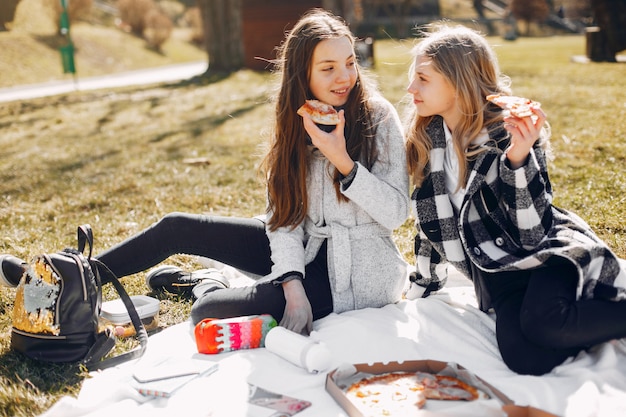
[402, 393]
[320, 112]
[517, 106]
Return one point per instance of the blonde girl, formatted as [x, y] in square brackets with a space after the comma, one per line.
[483, 204]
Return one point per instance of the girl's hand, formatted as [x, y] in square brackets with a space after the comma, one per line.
[524, 133]
[333, 144]
[298, 316]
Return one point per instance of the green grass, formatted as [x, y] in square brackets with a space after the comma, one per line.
[115, 159]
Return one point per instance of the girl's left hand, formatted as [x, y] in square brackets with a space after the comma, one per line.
[524, 133]
[298, 315]
[333, 144]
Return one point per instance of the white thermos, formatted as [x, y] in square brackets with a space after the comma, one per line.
[300, 350]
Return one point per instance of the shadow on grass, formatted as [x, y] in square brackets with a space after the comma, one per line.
[81, 163]
[52, 41]
[206, 78]
[202, 125]
[42, 376]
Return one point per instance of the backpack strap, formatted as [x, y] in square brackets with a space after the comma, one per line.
[93, 359]
[85, 236]
[106, 341]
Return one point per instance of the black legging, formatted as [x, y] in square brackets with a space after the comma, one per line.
[267, 297]
[239, 242]
[539, 322]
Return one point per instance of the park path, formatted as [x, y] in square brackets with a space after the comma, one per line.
[167, 73]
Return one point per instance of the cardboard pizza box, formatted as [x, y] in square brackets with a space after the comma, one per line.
[431, 366]
[512, 410]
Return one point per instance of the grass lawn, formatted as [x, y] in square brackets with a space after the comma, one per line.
[117, 159]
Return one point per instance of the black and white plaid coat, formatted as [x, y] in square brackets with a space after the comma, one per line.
[506, 222]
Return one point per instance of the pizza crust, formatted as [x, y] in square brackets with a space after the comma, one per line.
[320, 112]
[518, 106]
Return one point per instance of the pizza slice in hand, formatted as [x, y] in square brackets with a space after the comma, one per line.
[320, 112]
[517, 106]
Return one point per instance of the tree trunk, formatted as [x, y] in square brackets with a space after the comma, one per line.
[221, 20]
[597, 47]
[610, 16]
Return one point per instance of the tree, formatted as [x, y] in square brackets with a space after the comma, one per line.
[610, 16]
[221, 20]
[530, 11]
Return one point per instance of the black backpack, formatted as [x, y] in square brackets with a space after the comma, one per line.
[57, 307]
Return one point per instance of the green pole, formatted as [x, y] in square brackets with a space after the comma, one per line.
[67, 51]
[65, 23]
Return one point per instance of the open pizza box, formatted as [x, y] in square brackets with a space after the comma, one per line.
[497, 404]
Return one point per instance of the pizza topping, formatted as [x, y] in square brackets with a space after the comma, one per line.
[442, 387]
[392, 392]
[518, 106]
[389, 394]
[320, 112]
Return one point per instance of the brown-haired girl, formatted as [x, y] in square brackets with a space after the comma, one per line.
[333, 201]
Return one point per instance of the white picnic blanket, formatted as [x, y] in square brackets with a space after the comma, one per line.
[446, 326]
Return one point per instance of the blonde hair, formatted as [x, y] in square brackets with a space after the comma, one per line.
[468, 62]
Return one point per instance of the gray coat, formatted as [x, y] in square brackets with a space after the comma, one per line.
[506, 222]
[366, 268]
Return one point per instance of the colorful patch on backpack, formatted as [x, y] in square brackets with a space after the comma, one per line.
[36, 299]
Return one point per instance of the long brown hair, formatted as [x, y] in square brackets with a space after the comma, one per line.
[286, 164]
[466, 60]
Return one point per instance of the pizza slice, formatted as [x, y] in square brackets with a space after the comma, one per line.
[518, 106]
[443, 387]
[320, 112]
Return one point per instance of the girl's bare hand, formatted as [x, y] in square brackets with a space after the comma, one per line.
[524, 133]
[333, 144]
[298, 316]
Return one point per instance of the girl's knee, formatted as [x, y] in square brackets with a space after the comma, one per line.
[196, 316]
[526, 358]
[546, 328]
[202, 309]
[528, 364]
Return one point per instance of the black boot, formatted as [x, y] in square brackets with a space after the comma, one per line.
[11, 270]
[176, 281]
